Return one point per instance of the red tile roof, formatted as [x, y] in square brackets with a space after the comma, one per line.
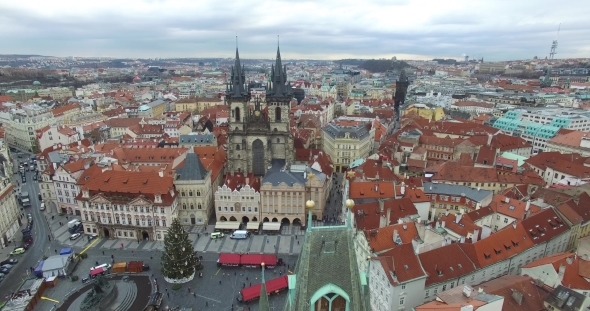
[503, 244]
[129, 184]
[570, 164]
[368, 216]
[544, 226]
[445, 263]
[383, 239]
[401, 264]
[511, 207]
[63, 109]
[505, 286]
[575, 269]
[239, 180]
[371, 190]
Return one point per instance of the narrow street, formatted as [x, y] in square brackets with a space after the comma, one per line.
[41, 244]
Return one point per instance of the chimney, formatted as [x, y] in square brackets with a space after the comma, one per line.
[381, 206]
[528, 205]
[376, 187]
[514, 224]
[561, 270]
[395, 236]
[507, 200]
[388, 219]
[458, 218]
[403, 189]
[475, 235]
[161, 173]
[490, 139]
[443, 223]
[462, 239]
[569, 260]
[517, 297]
[477, 206]
[86, 165]
[247, 180]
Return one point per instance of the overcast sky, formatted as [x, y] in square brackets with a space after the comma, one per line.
[320, 29]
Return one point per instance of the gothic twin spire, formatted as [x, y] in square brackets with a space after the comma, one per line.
[278, 86]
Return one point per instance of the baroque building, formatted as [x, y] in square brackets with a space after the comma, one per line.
[259, 129]
[193, 182]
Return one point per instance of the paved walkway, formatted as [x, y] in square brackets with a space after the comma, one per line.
[288, 242]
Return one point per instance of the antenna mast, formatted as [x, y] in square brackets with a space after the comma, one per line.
[554, 44]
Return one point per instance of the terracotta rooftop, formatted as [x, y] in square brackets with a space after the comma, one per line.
[499, 246]
[371, 190]
[368, 215]
[576, 269]
[386, 238]
[506, 285]
[401, 265]
[445, 263]
[63, 109]
[512, 208]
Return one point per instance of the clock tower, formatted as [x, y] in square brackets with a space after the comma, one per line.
[259, 127]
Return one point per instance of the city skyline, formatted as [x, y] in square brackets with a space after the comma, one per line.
[407, 29]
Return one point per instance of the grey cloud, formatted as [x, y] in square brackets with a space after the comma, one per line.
[211, 32]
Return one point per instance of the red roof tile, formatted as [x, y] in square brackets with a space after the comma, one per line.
[445, 263]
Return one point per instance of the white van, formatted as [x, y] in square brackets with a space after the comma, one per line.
[240, 234]
[104, 266]
[42, 207]
[217, 235]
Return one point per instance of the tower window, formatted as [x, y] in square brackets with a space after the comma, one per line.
[278, 140]
[238, 147]
[278, 114]
[237, 114]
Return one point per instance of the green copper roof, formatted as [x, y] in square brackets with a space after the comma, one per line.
[327, 262]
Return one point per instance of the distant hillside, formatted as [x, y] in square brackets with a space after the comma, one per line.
[383, 65]
[20, 55]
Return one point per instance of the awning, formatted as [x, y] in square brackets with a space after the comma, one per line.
[253, 225]
[227, 225]
[96, 271]
[271, 226]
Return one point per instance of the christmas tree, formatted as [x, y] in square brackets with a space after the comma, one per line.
[179, 260]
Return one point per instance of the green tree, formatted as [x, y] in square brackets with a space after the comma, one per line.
[179, 260]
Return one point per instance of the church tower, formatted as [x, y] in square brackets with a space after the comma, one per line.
[237, 97]
[401, 88]
[259, 131]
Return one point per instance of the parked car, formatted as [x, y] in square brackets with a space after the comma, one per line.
[4, 271]
[11, 261]
[39, 196]
[24, 179]
[27, 245]
[7, 266]
[17, 251]
[35, 177]
[92, 237]
[74, 236]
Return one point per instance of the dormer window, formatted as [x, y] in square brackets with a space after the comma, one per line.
[86, 194]
[158, 198]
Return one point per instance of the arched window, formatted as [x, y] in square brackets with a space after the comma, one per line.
[184, 194]
[192, 206]
[190, 193]
[198, 193]
[278, 114]
[237, 114]
[183, 205]
[278, 140]
[237, 146]
[199, 206]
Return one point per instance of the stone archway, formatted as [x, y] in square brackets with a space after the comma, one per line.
[285, 221]
[193, 219]
[107, 233]
[258, 157]
[145, 235]
[245, 219]
[254, 218]
[232, 219]
[265, 219]
[296, 222]
[222, 218]
[275, 220]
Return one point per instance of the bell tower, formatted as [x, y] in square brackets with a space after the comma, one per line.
[238, 95]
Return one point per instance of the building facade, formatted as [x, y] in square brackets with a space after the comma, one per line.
[193, 183]
[128, 205]
[238, 199]
[347, 140]
[259, 131]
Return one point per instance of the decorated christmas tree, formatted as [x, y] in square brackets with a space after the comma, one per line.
[178, 260]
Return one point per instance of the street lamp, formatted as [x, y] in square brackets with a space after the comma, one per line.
[350, 205]
[309, 205]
